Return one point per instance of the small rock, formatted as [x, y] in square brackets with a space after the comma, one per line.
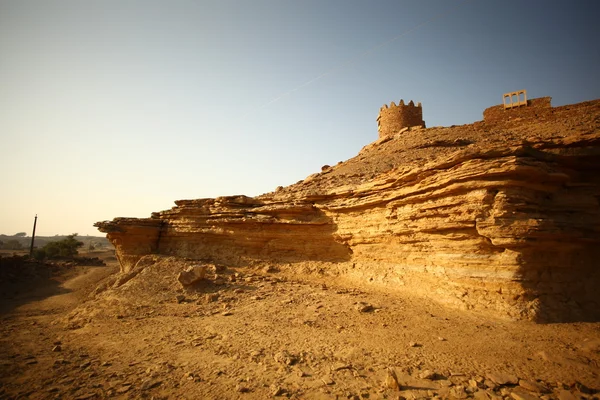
[192, 275]
[276, 390]
[364, 307]
[85, 396]
[490, 385]
[413, 344]
[533, 386]
[241, 389]
[149, 384]
[123, 389]
[270, 269]
[428, 374]
[391, 380]
[458, 392]
[522, 395]
[179, 298]
[566, 395]
[328, 380]
[481, 395]
[226, 313]
[582, 388]
[503, 379]
[285, 357]
[211, 297]
[340, 366]
[441, 339]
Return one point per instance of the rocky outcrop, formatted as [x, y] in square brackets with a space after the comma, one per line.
[500, 216]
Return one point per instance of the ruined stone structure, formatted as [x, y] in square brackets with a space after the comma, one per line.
[395, 117]
[514, 99]
[534, 108]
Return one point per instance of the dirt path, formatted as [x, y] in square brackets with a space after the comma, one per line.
[256, 335]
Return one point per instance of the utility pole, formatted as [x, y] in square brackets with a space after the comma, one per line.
[33, 236]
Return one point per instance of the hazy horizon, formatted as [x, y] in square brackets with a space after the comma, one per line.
[117, 109]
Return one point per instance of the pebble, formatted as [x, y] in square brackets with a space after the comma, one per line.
[364, 307]
[276, 390]
[179, 298]
[285, 357]
[211, 297]
[270, 269]
[328, 380]
[241, 389]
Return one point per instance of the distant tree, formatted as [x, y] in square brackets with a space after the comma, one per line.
[91, 246]
[12, 244]
[66, 248]
[20, 234]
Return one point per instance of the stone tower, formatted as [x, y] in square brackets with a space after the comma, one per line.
[395, 117]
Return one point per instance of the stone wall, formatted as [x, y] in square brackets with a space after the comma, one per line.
[395, 117]
[536, 108]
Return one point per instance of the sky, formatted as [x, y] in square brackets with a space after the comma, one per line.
[116, 108]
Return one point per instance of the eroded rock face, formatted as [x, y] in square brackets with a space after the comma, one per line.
[502, 215]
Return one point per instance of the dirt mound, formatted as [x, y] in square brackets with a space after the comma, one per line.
[259, 333]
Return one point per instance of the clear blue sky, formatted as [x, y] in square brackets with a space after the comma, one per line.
[119, 107]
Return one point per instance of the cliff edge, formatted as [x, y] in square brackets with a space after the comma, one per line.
[500, 216]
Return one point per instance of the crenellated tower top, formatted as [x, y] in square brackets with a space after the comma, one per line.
[395, 117]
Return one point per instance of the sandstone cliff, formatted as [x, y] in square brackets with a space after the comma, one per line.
[501, 215]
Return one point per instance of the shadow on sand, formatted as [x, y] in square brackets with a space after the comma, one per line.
[23, 282]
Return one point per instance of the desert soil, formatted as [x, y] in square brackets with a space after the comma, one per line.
[260, 333]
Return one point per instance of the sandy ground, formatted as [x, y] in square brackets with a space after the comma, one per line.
[253, 334]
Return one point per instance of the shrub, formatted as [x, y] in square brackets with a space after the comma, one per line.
[66, 248]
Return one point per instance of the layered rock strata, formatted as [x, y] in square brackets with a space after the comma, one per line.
[501, 216]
